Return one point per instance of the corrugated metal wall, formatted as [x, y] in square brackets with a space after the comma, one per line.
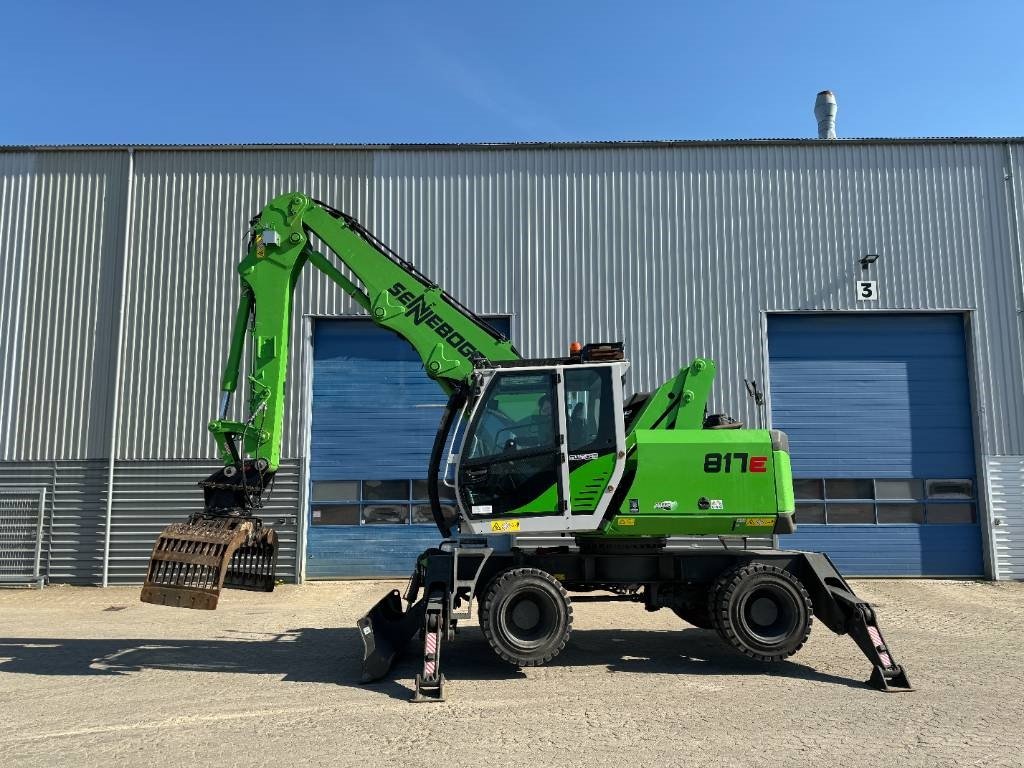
[676, 249]
[61, 240]
[1005, 475]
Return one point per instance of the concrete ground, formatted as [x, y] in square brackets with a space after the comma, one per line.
[92, 677]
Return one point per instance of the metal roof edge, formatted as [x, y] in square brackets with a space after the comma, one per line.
[535, 145]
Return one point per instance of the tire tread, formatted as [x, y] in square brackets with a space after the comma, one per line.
[496, 585]
[721, 593]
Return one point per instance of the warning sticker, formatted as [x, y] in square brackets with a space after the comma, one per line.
[625, 521]
[717, 504]
[504, 526]
[754, 522]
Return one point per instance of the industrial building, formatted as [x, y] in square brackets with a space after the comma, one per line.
[873, 290]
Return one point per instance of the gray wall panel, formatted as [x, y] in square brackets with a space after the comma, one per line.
[61, 236]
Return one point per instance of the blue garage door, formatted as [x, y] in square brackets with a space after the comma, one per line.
[375, 414]
[878, 414]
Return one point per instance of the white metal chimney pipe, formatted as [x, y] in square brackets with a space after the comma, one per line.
[825, 109]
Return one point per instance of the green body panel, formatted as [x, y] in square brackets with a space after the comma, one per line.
[445, 336]
[586, 483]
[672, 482]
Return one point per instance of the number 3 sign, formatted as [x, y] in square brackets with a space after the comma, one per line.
[867, 290]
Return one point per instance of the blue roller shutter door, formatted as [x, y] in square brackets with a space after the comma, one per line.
[877, 410]
[375, 414]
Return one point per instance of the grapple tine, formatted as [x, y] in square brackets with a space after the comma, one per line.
[254, 564]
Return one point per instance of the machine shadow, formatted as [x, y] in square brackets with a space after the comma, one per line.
[334, 656]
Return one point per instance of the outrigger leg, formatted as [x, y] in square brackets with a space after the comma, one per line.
[389, 627]
[430, 682]
[839, 608]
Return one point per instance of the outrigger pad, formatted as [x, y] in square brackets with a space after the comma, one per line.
[193, 561]
[385, 631]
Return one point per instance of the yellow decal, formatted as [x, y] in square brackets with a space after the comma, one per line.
[758, 522]
[504, 526]
[625, 521]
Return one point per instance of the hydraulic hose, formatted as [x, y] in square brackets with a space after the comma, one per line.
[456, 400]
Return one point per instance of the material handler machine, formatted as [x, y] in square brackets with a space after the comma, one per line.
[528, 446]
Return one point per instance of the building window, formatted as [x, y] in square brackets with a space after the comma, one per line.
[884, 501]
[376, 502]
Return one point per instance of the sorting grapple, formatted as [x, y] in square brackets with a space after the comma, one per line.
[193, 561]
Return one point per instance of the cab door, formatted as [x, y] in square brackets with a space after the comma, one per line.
[513, 453]
[592, 435]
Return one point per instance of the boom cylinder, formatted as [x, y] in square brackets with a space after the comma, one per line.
[230, 380]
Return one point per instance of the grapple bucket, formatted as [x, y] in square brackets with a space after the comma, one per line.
[385, 631]
[192, 561]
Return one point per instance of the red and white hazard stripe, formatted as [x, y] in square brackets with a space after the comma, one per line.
[876, 640]
[429, 653]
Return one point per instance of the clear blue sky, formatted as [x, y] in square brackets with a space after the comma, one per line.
[315, 71]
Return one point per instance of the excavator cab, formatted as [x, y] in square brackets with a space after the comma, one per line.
[542, 446]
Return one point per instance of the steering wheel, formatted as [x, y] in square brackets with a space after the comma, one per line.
[505, 444]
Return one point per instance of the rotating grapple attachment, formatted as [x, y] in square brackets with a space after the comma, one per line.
[193, 561]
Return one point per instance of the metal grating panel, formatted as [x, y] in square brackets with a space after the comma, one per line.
[21, 535]
[1006, 508]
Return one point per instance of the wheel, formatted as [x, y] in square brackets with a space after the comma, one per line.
[698, 615]
[762, 611]
[526, 616]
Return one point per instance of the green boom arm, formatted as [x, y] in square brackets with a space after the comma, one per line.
[448, 337]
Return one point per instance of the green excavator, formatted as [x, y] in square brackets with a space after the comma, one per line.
[526, 446]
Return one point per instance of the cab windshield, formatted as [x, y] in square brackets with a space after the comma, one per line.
[511, 461]
[516, 415]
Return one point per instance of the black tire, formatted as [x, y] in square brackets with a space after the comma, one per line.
[712, 601]
[698, 615]
[762, 611]
[526, 616]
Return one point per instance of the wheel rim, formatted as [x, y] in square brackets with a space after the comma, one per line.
[769, 614]
[528, 619]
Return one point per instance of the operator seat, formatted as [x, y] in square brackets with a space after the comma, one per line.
[577, 426]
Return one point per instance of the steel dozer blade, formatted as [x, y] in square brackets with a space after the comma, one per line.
[385, 631]
[193, 561]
